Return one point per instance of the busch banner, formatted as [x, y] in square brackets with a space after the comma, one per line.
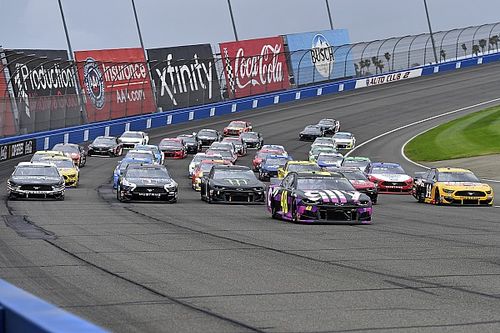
[184, 76]
[115, 83]
[44, 88]
[254, 66]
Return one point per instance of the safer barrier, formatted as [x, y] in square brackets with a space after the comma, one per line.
[23, 312]
[79, 134]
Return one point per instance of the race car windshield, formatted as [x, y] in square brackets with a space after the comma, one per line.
[147, 173]
[354, 175]
[236, 125]
[355, 163]
[330, 159]
[450, 177]
[318, 150]
[303, 167]
[170, 144]
[42, 171]
[189, 139]
[104, 141]
[224, 153]
[62, 164]
[325, 122]
[236, 141]
[234, 174]
[125, 164]
[207, 133]
[311, 129]
[324, 183]
[151, 149]
[144, 156]
[249, 136]
[132, 135]
[275, 161]
[206, 167]
[394, 170]
[342, 136]
[66, 149]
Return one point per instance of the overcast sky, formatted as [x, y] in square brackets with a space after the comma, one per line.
[98, 24]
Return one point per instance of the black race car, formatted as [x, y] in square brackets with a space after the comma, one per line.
[105, 146]
[208, 136]
[311, 132]
[36, 180]
[252, 139]
[191, 142]
[232, 184]
[146, 182]
[329, 126]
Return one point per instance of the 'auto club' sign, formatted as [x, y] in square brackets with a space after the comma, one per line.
[254, 66]
[184, 76]
[116, 83]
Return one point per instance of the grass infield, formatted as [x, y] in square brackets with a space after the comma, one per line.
[473, 135]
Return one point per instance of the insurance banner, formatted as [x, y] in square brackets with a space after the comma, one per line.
[184, 76]
[115, 83]
[316, 57]
[44, 87]
[254, 66]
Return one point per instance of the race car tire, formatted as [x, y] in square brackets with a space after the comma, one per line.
[437, 197]
[119, 196]
[274, 212]
[421, 197]
[60, 198]
[209, 199]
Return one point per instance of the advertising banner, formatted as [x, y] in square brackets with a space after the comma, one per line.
[254, 66]
[388, 78]
[44, 88]
[184, 76]
[17, 149]
[7, 125]
[315, 58]
[115, 83]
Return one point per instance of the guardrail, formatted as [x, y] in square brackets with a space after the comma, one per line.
[21, 145]
[23, 312]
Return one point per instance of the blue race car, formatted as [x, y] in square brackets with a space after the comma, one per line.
[154, 149]
[269, 167]
[122, 165]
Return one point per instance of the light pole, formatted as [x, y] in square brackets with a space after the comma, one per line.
[430, 31]
[138, 27]
[232, 19]
[66, 30]
[329, 13]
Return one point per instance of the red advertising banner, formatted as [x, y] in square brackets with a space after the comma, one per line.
[7, 125]
[254, 66]
[115, 82]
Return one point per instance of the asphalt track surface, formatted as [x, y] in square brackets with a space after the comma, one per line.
[195, 267]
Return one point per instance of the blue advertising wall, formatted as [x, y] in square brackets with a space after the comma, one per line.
[324, 62]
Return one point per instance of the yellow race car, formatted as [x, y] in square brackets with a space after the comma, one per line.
[451, 186]
[66, 167]
[298, 166]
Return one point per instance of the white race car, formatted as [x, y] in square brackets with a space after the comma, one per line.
[131, 138]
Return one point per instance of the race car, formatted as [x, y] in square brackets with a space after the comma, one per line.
[325, 160]
[241, 147]
[225, 146]
[144, 154]
[451, 186]
[173, 147]
[123, 164]
[204, 168]
[324, 141]
[324, 198]
[236, 127]
[146, 182]
[158, 156]
[316, 150]
[105, 146]
[131, 138]
[232, 184]
[36, 180]
[269, 167]
[252, 139]
[196, 160]
[329, 126]
[311, 132]
[360, 182]
[298, 166]
[356, 161]
[193, 145]
[77, 153]
[344, 140]
[66, 167]
[207, 136]
[39, 155]
[226, 154]
[389, 178]
[261, 155]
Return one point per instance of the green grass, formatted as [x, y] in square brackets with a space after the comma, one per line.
[473, 135]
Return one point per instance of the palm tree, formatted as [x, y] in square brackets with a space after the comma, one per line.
[475, 50]
[380, 66]
[361, 66]
[493, 40]
[482, 44]
[464, 47]
[367, 65]
[387, 57]
[375, 63]
[442, 54]
[356, 68]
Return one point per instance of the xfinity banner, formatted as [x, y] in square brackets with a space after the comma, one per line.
[314, 58]
[254, 66]
[7, 125]
[115, 83]
[184, 76]
[44, 88]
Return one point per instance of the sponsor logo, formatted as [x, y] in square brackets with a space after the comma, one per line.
[93, 80]
[322, 55]
[388, 78]
[16, 149]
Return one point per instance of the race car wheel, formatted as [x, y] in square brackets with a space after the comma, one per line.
[119, 194]
[437, 197]
[61, 197]
[421, 197]
[209, 199]
[274, 212]
[293, 210]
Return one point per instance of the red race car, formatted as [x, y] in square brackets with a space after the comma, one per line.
[236, 127]
[173, 147]
[360, 182]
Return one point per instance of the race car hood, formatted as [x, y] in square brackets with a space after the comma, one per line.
[362, 184]
[237, 183]
[251, 140]
[207, 137]
[68, 171]
[102, 146]
[308, 131]
[335, 196]
[343, 140]
[130, 140]
[391, 177]
[150, 181]
[464, 186]
[271, 167]
[23, 180]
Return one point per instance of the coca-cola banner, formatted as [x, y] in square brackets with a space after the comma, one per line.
[115, 83]
[7, 125]
[314, 56]
[44, 87]
[254, 66]
[184, 76]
